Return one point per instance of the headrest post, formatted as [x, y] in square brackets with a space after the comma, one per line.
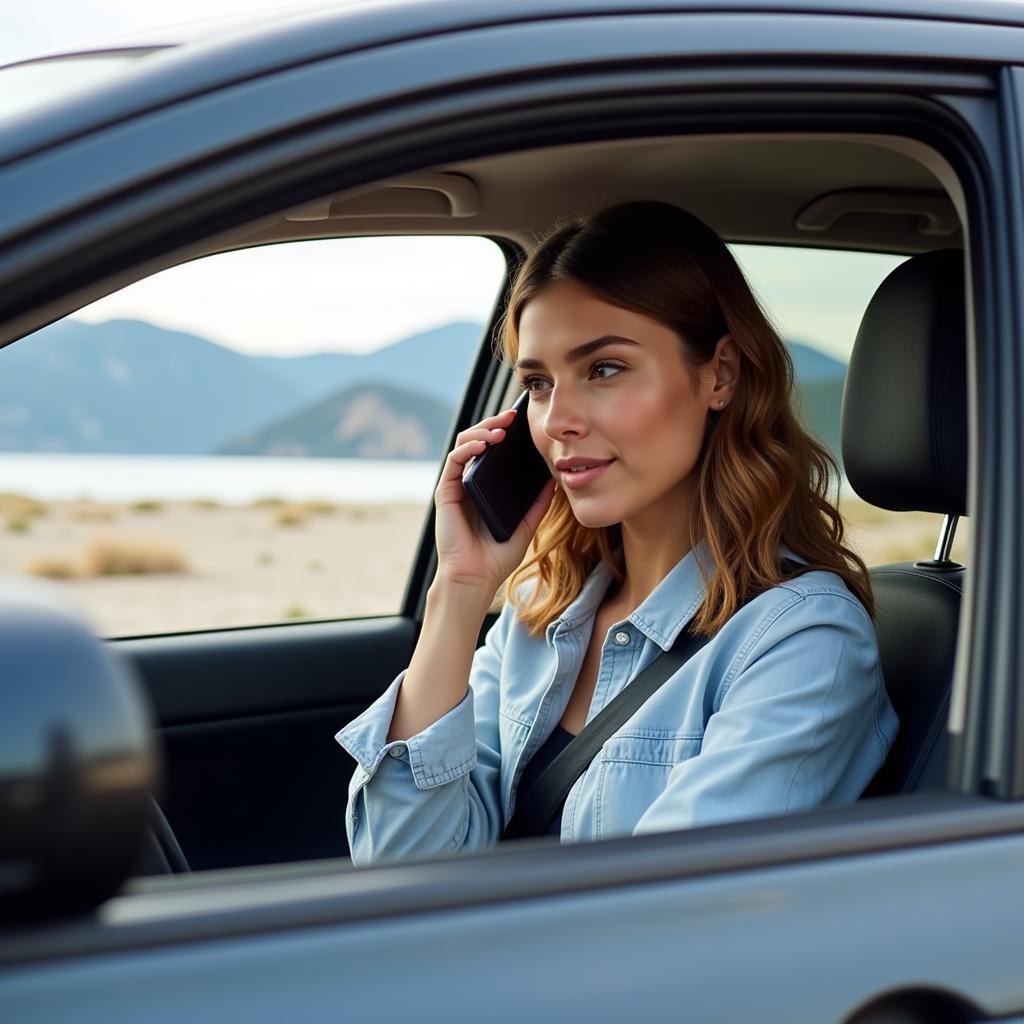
[945, 545]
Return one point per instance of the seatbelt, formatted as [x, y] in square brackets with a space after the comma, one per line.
[536, 808]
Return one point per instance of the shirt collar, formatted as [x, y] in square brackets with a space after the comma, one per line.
[660, 616]
[584, 606]
[675, 600]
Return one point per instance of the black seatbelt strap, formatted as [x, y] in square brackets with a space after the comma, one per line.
[536, 808]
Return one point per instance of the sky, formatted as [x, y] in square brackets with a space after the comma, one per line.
[361, 294]
[38, 27]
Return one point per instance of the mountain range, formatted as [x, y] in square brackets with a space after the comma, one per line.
[131, 386]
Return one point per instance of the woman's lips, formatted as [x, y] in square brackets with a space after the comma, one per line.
[583, 478]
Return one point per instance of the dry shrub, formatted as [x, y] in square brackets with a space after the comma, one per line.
[53, 566]
[87, 512]
[18, 524]
[148, 505]
[268, 502]
[291, 515]
[122, 556]
[364, 513]
[20, 506]
[320, 508]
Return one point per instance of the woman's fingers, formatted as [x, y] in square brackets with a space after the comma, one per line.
[488, 434]
[460, 455]
[481, 429]
[469, 443]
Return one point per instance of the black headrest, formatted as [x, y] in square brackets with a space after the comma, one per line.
[905, 400]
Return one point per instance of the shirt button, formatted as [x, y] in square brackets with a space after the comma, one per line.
[396, 751]
[622, 638]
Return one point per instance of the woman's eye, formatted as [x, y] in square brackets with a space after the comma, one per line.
[599, 368]
[532, 383]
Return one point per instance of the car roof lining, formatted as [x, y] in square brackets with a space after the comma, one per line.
[748, 187]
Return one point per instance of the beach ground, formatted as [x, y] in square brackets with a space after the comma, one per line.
[275, 561]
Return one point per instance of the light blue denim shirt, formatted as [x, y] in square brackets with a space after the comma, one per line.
[800, 717]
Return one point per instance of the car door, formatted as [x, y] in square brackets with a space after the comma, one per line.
[898, 909]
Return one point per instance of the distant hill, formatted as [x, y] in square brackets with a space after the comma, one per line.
[369, 421]
[820, 380]
[130, 386]
[812, 364]
[434, 362]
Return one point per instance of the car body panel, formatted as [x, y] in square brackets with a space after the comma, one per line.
[811, 941]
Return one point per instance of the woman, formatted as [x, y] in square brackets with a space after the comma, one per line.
[660, 399]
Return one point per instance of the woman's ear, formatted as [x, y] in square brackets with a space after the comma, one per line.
[725, 365]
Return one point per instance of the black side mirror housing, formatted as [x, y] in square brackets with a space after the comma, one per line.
[77, 763]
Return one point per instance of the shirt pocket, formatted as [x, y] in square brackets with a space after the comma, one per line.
[633, 771]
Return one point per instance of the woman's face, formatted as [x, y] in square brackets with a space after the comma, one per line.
[609, 389]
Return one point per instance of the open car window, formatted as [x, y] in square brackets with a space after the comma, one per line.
[253, 437]
[816, 298]
[249, 438]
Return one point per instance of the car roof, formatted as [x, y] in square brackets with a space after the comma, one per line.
[193, 59]
[437, 15]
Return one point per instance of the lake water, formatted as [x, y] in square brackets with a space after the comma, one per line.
[227, 479]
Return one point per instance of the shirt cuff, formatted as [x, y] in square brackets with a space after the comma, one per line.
[442, 752]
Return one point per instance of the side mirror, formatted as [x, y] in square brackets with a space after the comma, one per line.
[76, 760]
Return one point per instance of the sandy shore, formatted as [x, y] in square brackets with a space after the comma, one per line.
[270, 563]
[245, 565]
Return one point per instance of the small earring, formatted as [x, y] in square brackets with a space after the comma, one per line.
[721, 403]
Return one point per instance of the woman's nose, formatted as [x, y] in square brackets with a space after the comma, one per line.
[564, 415]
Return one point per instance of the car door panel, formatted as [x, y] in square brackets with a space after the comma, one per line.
[790, 933]
[246, 721]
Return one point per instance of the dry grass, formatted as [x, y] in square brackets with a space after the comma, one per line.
[363, 513]
[53, 566]
[881, 536]
[110, 556]
[295, 513]
[320, 508]
[291, 515]
[88, 512]
[20, 506]
[129, 556]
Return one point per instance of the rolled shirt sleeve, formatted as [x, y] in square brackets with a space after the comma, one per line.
[801, 719]
[437, 791]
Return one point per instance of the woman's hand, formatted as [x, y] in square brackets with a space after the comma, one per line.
[467, 555]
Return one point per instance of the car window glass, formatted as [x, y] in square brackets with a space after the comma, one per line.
[249, 438]
[816, 298]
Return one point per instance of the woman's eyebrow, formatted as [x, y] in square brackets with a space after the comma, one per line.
[580, 351]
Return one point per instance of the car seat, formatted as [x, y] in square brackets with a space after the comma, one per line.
[904, 444]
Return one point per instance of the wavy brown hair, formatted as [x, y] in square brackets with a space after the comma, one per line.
[762, 480]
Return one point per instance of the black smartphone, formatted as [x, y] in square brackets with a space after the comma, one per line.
[505, 478]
